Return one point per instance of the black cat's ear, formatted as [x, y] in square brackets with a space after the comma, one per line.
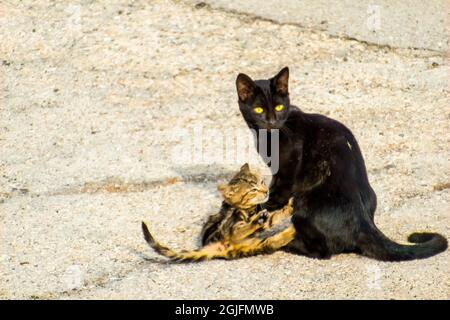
[245, 87]
[245, 168]
[281, 81]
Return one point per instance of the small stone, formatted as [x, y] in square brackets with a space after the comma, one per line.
[434, 65]
[200, 5]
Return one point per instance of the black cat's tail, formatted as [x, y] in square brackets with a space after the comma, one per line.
[374, 244]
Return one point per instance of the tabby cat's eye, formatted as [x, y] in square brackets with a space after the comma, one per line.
[258, 110]
[279, 107]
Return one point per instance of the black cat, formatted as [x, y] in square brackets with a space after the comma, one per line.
[321, 165]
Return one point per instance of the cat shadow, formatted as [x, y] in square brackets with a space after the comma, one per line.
[169, 263]
[160, 261]
[144, 257]
[205, 173]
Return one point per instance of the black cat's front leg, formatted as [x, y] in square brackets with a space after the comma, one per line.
[279, 194]
[281, 187]
[308, 240]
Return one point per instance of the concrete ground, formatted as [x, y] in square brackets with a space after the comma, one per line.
[94, 96]
[398, 23]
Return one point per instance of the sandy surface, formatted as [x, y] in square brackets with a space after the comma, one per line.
[89, 96]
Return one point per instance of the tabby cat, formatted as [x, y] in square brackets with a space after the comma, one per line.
[321, 166]
[236, 230]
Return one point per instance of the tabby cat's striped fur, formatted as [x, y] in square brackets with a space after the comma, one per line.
[235, 231]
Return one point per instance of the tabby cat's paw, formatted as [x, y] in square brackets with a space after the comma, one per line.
[263, 215]
[291, 202]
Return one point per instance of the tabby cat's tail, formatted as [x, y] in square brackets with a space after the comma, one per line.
[193, 255]
[248, 247]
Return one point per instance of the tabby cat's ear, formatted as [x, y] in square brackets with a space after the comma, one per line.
[245, 87]
[281, 81]
[245, 168]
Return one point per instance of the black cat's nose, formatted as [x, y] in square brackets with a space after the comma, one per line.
[271, 123]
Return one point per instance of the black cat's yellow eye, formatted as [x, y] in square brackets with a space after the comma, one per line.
[258, 110]
[279, 107]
